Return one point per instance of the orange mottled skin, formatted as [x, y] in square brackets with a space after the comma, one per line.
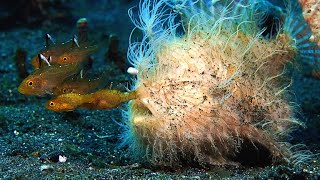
[103, 99]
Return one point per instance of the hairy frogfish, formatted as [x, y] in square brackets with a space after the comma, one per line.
[43, 81]
[211, 87]
[102, 99]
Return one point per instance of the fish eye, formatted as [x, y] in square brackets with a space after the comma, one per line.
[65, 58]
[30, 83]
[51, 103]
[64, 90]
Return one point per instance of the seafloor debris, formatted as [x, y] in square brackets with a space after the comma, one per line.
[82, 28]
[311, 13]
[114, 54]
[20, 61]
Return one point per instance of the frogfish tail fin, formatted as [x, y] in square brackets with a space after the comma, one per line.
[295, 26]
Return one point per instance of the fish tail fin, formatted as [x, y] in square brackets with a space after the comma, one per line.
[131, 95]
[294, 25]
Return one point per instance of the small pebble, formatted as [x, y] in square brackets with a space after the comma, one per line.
[62, 159]
[132, 71]
[46, 167]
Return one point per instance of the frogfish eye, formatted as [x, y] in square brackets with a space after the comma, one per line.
[51, 103]
[30, 83]
[65, 58]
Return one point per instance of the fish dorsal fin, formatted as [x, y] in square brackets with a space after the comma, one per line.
[81, 74]
[298, 29]
[49, 40]
[42, 58]
[50, 60]
[75, 41]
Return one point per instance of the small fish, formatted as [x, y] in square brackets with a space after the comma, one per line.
[103, 99]
[42, 81]
[65, 53]
[54, 51]
[80, 86]
[76, 54]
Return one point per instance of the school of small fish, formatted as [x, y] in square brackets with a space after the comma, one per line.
[58, 71]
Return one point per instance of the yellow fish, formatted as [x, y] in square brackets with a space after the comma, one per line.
[103, 99]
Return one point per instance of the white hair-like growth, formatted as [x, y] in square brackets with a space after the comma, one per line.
[157, 23]
[204, 95]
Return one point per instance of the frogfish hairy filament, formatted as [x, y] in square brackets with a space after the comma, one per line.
[103, 99]
[214, 92]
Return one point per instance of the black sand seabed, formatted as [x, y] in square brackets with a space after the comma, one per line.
[33, 138]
